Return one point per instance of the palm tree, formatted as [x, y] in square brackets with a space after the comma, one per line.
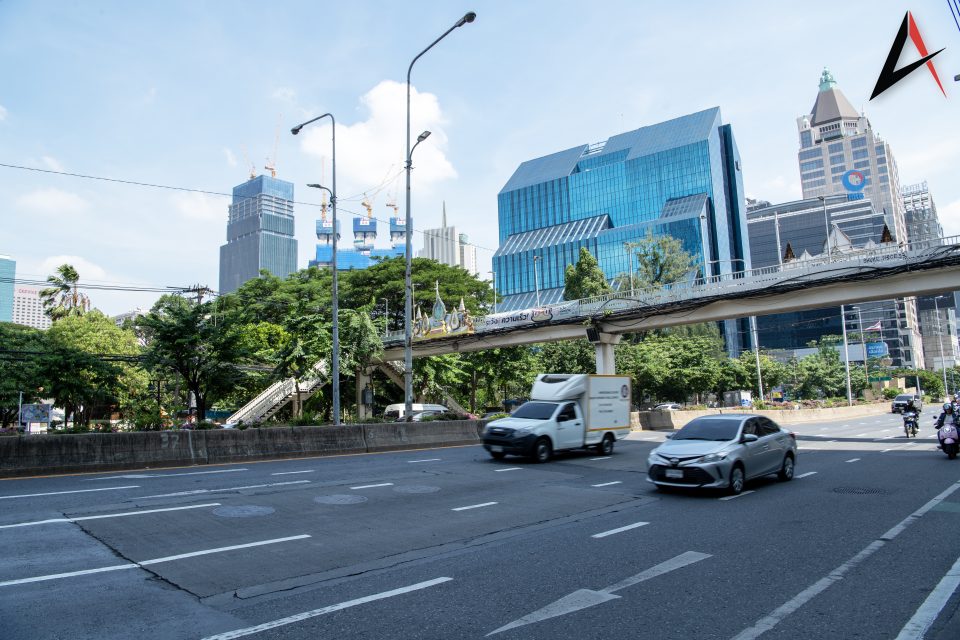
[63, 298]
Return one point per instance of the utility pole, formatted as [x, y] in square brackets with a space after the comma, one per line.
[199, 290]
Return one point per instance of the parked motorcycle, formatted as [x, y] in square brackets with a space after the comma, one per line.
[910, 426]
[949, 441]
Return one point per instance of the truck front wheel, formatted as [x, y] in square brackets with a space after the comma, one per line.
[542, 451]
[605, 447]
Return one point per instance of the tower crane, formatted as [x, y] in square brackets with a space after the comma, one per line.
[271, 165]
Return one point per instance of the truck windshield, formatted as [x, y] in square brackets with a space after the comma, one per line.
[709, 429]
[535, 411]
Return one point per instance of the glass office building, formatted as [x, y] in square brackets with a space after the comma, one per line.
[8, 270]
[681, 177]
[259, 233]
[363, 253]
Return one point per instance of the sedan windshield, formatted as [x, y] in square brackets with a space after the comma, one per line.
[535, 411]
[708, 429]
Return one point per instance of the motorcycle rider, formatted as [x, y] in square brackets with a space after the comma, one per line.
[948, 412]
[911, 407]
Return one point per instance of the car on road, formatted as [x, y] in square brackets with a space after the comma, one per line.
[901, 401]
[668, 406]
[723, 452]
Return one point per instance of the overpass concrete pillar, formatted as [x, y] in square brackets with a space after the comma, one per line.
[604, 351]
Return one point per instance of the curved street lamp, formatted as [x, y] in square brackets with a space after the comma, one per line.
[335, 364]
[408, 289]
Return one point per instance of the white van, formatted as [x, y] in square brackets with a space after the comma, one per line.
[394, 411]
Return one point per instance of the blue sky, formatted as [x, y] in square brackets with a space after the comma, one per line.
[178, 93]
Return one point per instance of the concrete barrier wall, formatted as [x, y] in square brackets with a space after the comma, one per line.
[71, 453]
[654, 420]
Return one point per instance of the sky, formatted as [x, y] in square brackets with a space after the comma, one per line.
[191, 94]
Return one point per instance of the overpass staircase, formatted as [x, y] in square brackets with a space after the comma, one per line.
[393, 369]
[278, 395]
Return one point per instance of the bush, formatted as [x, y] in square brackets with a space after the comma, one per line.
[206, 424]
[891, 392]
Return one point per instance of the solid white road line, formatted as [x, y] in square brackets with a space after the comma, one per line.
[853, 460]
[111, 515]
[739, 495]
[290, 473]
[603, 458]
[509, 469]
[239, 633]
[249, 486]
[138, 476]
[607, 484]
[619, 530]
[925, 616]
[60, 493]
[770, 621]
[135, 565]
[427, 460]
[474, 506]
[371, 486]
[805, 475]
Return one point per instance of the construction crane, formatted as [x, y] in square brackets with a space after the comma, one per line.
[271, 165]
[392, 200]
[246, 160]
[369, 207]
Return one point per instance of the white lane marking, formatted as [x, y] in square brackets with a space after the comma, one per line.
[111, 515]
[584, 598]
[768, 622]
[427, 460]
[604, 534]
[884, 430]
[918, 625]
[739, 495]
[168, 475]
[509, 469]
[290, 473]
[844, 426]
[603, 458]
[371, 486]
[60, 493]
[829, 441]
[861, 435]
[853, 460]
[885, 438]
[825, 428]
[233, 547]
[474, 506]
[607, 484]
[239, 633]
[249, 486]
[805, 475]
[135, 565]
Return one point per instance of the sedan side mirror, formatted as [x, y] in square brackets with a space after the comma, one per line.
[669, 436]
[749, 437]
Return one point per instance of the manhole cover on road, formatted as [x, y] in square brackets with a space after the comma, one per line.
[340, 499]
[243, 511]
[416, 488]
[861, 491]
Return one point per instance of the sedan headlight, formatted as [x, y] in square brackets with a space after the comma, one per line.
[522, 431]
[715, 457]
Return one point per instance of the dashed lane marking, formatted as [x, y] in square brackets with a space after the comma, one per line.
[603, 458]
[604, 534]
[474, 506]
[290, 473]
[509, 469]
[372, 486]
[111, 515]
[805, 475]
[607, 484]
[427, 460]
[249, 486]
[739, 495]
[853, 460]
[137, 476]
[60, 493]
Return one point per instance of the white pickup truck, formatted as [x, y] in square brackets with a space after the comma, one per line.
[565, 411]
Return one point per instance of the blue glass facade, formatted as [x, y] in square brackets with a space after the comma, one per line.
[8, 270]
[259, 233]
[681, 177]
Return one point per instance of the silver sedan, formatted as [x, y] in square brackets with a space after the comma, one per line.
[723, 451]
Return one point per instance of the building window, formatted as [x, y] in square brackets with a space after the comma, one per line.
[858, 143]
[813, 164]
[863, 164]
[836, 147]
[860, 154]
[806, 140]
[838, 169]
[809, 154]
[836, 159]
[812, 174]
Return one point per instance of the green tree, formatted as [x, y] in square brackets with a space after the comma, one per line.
[190, 340]
[772, 372]
[21, 355]
[586, 279]
[63, 298]
[822, 374]
[565, 356]
[661, 260]
[498, 374]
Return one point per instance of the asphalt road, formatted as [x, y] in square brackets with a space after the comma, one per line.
[448, 543]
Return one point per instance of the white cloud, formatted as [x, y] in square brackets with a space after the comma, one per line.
[199, 206]
[3, 113]
[370, 151]
[52, 202]
[52, 163]
[88, 270]
[285, 93]
[231, 159]
[950, 218]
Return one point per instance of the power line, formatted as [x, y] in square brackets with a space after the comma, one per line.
[200, 191]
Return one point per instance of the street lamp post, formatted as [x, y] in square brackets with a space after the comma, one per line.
[408, 289]
[493, 275]
[20, 413]
[386, 316]
[826, 222]
[846, 353]
[863, 344]
[943, 362]
[335, 364]
[536, 278]
[756, 350]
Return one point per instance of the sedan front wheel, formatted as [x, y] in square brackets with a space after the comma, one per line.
[737, 481]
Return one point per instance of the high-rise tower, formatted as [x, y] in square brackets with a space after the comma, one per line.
[259, 232]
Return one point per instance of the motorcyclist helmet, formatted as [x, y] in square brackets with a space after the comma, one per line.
[947, 407]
